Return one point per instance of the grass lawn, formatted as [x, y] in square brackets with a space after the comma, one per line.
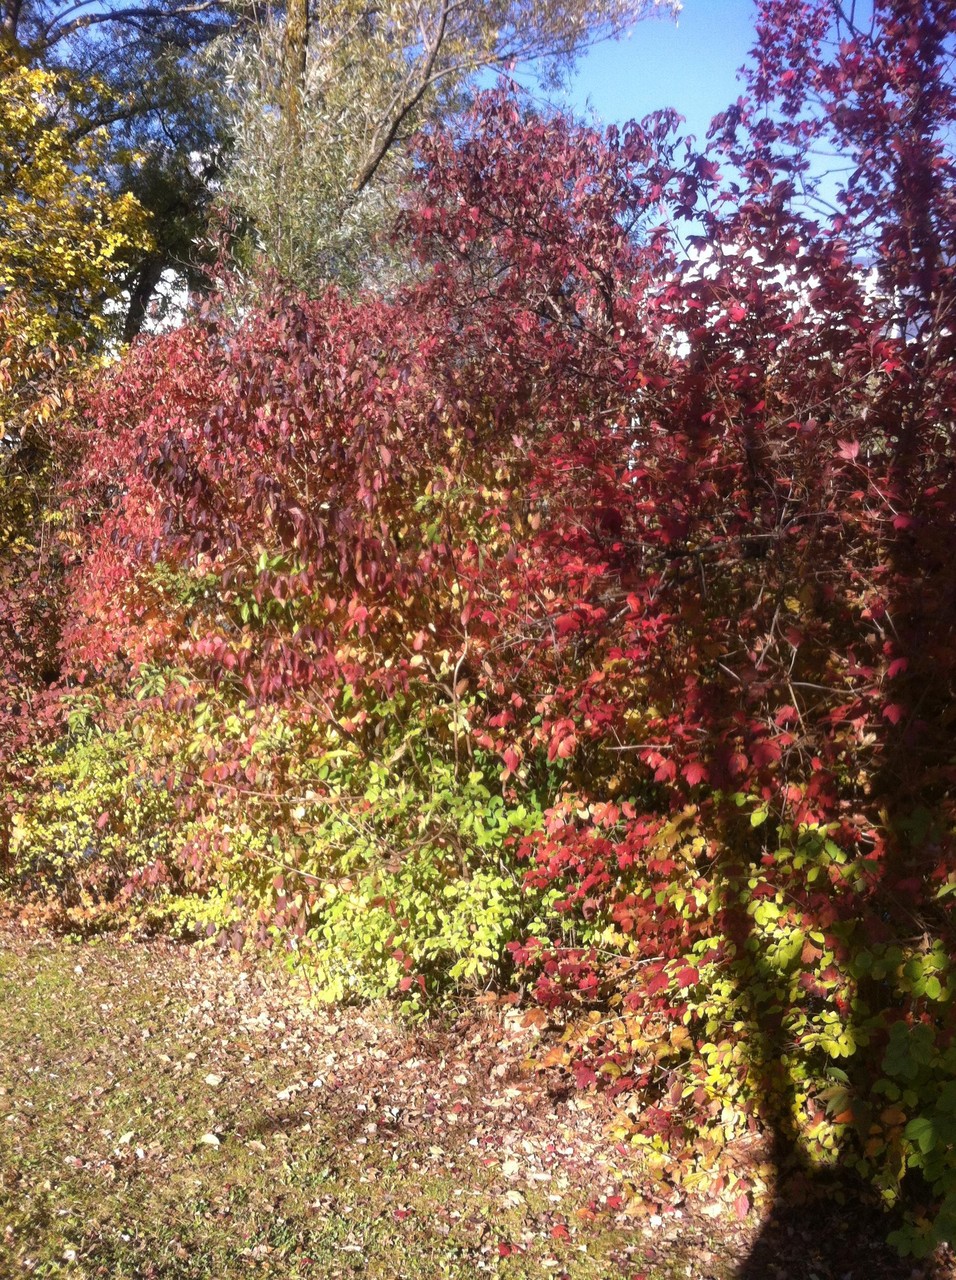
[167, 1112]
[163, 1113]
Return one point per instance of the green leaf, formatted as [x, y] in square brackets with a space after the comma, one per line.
[922, 1131]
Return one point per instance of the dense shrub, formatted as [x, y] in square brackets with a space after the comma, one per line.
[624, 565]
[89, 820]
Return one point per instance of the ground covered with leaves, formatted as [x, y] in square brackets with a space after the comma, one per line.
[168, 1111]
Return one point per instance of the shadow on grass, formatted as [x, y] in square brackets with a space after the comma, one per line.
[826, 1226]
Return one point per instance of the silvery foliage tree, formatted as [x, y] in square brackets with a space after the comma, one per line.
[323, 95]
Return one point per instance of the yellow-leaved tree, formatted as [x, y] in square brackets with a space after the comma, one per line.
[64, 236]
[64, 239]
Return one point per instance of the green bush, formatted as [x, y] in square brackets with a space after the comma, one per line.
[89, 819]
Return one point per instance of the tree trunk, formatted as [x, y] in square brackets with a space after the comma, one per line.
[10, 11]
[294, 58]
[141, 292]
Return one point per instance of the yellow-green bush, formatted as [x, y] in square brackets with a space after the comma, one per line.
[87, 818]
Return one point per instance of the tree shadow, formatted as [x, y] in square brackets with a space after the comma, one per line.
[825, 1225]
[825, 1219]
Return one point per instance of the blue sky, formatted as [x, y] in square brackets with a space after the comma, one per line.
[690, 66]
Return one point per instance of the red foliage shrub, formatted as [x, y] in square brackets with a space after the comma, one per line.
[667, 533]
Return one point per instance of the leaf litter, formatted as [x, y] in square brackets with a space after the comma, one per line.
[172, 1111]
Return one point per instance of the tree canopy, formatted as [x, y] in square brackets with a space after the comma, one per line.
[66, 238]
[326, 97]
[148, 95]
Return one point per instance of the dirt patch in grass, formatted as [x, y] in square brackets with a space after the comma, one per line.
[168, 1111]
